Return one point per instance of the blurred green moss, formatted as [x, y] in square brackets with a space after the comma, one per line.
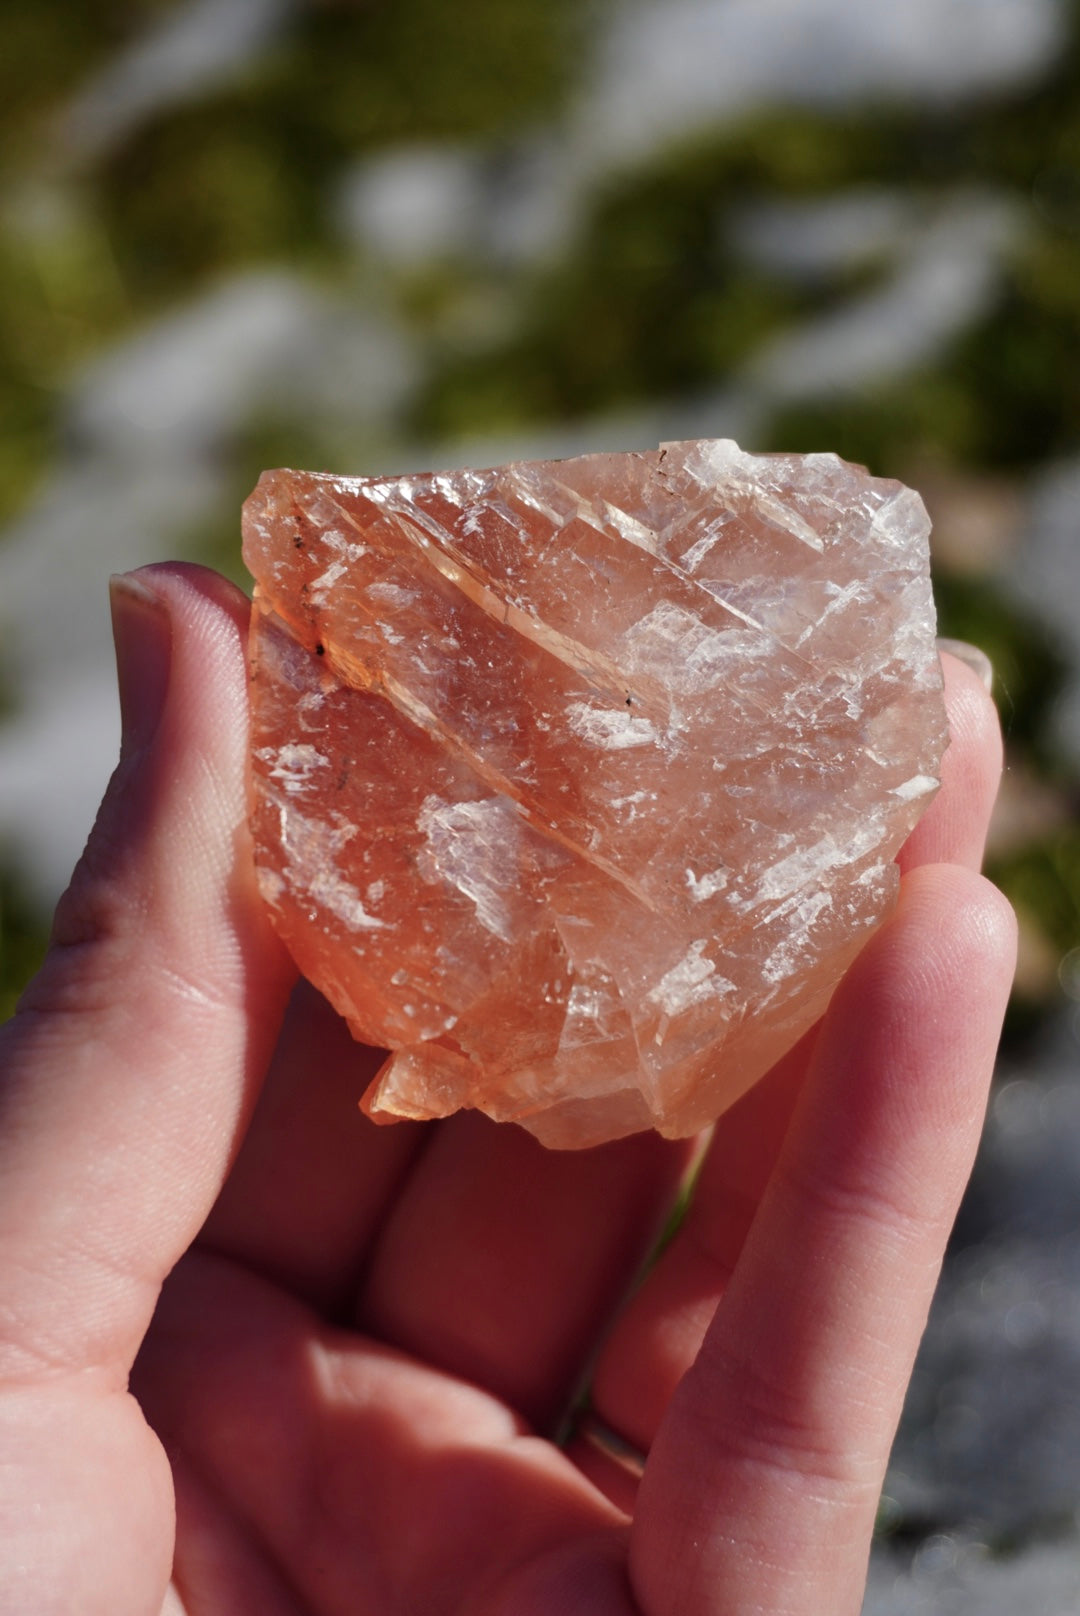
[242, 176]
[239, 177]
[649, 302]
[49, 47]
[1030, 665]
[1044, 879]
[23, 935]
[60, 297]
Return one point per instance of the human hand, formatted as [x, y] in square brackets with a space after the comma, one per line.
[350, 1344]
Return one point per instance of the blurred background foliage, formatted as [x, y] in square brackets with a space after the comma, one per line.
[451, 258]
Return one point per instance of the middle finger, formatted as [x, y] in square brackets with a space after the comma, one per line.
[503, 1261]
[314, 1177]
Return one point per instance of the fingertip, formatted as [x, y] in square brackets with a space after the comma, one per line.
[973, 656]
[924, 1003]
[166, 882]
[142, 635]
[954, 828]
[181, 607]
[176, 581]
[972, 915]
[951, 938]
[973, 717]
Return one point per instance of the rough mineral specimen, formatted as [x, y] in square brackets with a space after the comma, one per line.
[578, 784]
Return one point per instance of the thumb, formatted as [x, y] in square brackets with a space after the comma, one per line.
[130, 1066]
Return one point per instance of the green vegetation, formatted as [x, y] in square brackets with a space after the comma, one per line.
[23, 935]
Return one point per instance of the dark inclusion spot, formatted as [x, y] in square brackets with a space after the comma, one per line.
[320, 649]
[629, 701]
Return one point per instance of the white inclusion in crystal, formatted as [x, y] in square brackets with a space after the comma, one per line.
[473, 846]
[673, 645]
[390, 594]
[326, 581]
[691, 559]
[690, 982]
[839, 598]
[343, 900]
[592, 1011]
[629, 807]
[708, 885]
[336, 541]
[876, 874]
[790, 955]
[780, 515]
[311, 848]
[308, 705]
[270, 884]
[917, 786]
[900, 523]
[912, 649]
[629, 528]
[807, 866]
[611, 728]
[293, 764]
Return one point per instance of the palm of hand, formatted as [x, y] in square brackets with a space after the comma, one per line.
[317, 1472]
[350, 1369]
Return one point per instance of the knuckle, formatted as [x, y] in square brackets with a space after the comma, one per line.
[764, 1422]
[884, 1206]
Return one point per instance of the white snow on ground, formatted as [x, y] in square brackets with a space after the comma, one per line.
[188, 51]
[669, 65]
[1047, 576]
[945, 278]
[139, 475]
[951, 1577]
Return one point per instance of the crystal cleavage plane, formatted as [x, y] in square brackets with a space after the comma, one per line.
[577, 785]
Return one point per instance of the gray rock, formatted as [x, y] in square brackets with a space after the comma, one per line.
[1046, 575]
[1026, 1183]
[991, 1429]
[951, 1577]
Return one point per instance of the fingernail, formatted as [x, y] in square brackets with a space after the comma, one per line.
[977, 660]
[143, 637]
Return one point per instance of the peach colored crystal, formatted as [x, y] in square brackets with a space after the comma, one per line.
[578, 784]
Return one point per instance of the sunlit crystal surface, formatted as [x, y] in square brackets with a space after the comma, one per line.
[577, 784]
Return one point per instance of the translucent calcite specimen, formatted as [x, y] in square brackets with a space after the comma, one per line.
[578, 784]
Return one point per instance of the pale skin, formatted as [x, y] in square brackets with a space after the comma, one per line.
[261, 1358]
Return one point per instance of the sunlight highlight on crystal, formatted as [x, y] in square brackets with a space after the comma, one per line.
[577, 784]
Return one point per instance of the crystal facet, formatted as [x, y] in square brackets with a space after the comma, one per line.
[578, 784]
